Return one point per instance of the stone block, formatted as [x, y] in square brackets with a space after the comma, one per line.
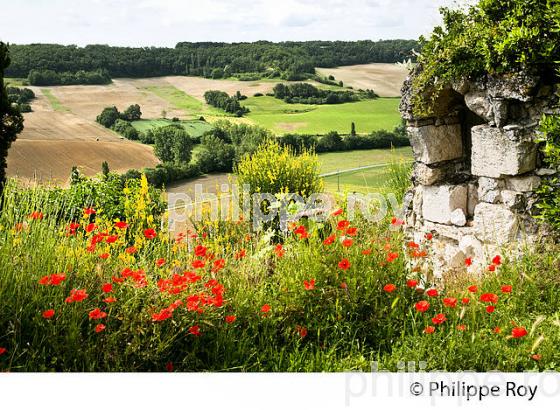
[439, 202]
[496, 153]
[495, 224]
[472, 199]
[458, 217]
[523, 184]
[489, 190]
[426, 175]
[432, 144]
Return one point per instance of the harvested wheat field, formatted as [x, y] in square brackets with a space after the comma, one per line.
[54, 140]
[385, 79]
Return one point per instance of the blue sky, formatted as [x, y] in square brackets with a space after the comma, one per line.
[166, 22]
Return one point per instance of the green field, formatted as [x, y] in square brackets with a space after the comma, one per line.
[55, 103]
[195, 128]
[183, 101]
[15, 82]
[281, 117]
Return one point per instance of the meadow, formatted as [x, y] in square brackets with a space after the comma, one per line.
[195, 128]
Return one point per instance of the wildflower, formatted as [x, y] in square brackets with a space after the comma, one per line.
[218, 264]
[302, 331]
[99, 328]
[489, 298]
[429, 330]
[439, 319]
[197, 264]
[490, 308]
[461, 328]
[342, 225]
[3, 350]
[36, 215]
[450, 302]
[76, 295]
[518, 332]
[107, 288]
[337, 212]
[72, 228]
[279, 250]
[389, 288]
[429, 236]
[301, 232]
[366, 252]
[97, 314]
[131, 250]
[507, 288]
[412, 245]
[110, 299]
[392, 256]
[412, 283]
[497, 330]
[89, 211]
[343, 285]
[396, 221]
[432, 293]
[344, 264]
[241, 254]
[468, 261]
[121, 225]
[536, 357]
[111, 238]
[194, 330]
[309, 285]
[200, 251]
[265, 308]
[422, 306]
[329, 240]
[492, 268]
[169, 367]
[230, 319]
[91, 227]
[150, 233]
[473, 288]
[347, 242]
[104, 255]
[497, 260]
[160, 262]
[162, 315]
[352, 231]
[52, 280]
[465, 301]
[48, 314]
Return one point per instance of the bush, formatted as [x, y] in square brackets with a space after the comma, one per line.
[108, 116]
[216, 155]
[132, 113]
[172, 144]
[126, 129]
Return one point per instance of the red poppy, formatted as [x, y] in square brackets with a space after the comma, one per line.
[492, 268]
[99, 328]
[76, 295]
[111, 238]
[352, 231]
[48, 314]
[429, 236]
[194, 330]
[169, 367]
[231, 319]
[497, 260]
[197, 264]
[329, 240]
[121, 225]
[439, 319]
[489, 298]
[3, 350]
[309, 285]
[131, 250]
[450, 302]
[343, 285]
[302, 331]
[392, 256]
[366, 252]
[97, 314]
[107, 288]
[389, 288]
[91, 227]
[468, 261]
[36, 215]
[104, 256]
[413, 245]
[536, 357]
[497, 330]
[465, 301]
[110, 299]
[52, 280]
[429, 330]
[412, 283]
[422, 306]
[337, 212]
[150, 233]
[507, 288]
[162, 315]
[265, 308]
[279, 250]
[160, 262]
[396, 221]
[344, 264]
[490, 308]
[473, 288]
[89, 211]
[518, 332]
[241, 254]
[347, 242]
[200, 250]
[432, 293]
[342, 225]
[461, 328]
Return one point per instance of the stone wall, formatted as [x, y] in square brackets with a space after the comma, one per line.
[476, 168]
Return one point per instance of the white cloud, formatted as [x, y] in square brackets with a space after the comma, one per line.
[166, 22]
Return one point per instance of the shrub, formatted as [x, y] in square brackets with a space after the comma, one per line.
[126, 129]
[172, 144]
[108, 116]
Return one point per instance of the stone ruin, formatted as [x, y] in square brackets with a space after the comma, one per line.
[477, 165]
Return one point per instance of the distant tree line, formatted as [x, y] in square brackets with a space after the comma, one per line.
[21, 97]
[305, 93]
[221, 99]
[287, 60]
[50, 77]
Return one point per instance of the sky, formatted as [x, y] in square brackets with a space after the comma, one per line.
[166, 22]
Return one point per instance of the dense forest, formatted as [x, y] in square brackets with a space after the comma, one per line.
[288, 60]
